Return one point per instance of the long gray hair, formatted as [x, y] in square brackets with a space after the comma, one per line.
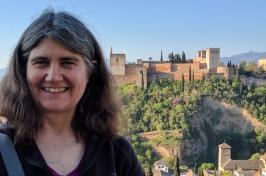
[96, 112]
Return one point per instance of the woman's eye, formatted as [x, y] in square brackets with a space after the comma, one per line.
[67, 63]
[41, 63]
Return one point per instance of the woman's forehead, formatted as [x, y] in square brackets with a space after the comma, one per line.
[50, 47]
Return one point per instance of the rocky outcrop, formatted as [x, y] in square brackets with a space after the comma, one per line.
[215, 122]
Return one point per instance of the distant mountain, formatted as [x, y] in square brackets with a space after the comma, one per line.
[248, 57]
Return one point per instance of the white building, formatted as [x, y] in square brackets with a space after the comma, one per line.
[161, 166]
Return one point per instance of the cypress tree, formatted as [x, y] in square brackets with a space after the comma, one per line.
[183, 57]
[177, 166]
[189, 72]
[183, 83]
[150, 171]
[161, 55]
[180, 86]
[193, 77]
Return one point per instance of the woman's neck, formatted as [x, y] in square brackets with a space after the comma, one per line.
[57, 123]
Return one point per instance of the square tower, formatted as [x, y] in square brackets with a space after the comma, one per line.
[117, 64]
[212, 57]
[224, 155]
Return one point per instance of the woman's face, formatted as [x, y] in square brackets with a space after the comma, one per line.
[56, 77]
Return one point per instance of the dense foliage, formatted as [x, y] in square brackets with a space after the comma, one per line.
[160, 107]
[249, 97]
[144, 151]
[169, 105]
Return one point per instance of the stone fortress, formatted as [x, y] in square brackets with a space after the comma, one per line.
[207, 63]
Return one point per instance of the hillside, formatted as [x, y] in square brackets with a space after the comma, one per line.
[216, 122]
[211, 126]
[204, 113]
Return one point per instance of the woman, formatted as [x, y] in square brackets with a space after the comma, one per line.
[58, 101]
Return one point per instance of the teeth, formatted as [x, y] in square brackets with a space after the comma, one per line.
[55, 90]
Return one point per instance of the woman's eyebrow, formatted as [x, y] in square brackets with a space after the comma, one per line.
[69, 58]
[38, 58]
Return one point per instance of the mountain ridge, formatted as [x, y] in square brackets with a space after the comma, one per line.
[250, 56]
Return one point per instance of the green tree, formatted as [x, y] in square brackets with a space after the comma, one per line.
[193, 77]
[190, 74]
[207, 166]
[255, 156]
[171, 57]
[183, 57]
[150, 173]
[183, 83]
[161, 55]
[227, 173]
[177, 58]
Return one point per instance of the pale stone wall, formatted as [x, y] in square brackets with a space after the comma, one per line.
[213, 57]
[262, 63]
[117, 64]
[224, 155]
[210, 56]
[119, 80]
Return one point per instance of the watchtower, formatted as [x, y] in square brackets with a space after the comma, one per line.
[212, 57]
[224, 155]
[117, 63]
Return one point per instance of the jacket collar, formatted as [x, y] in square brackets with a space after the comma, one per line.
[33, 156]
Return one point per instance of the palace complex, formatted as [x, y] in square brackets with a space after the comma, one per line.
[205, 64]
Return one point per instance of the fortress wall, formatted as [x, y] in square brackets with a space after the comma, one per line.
[163, 67]
[129, 79]
[165, 75]
[184, 67]
[132, 69]
[151, 77]
[152, 67]
[197, 76]
[201, 60]
[222, 69]
[213, 70]
[174, 67]
[203, 66]
[118, 80]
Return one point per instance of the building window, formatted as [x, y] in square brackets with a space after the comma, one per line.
[203, 54]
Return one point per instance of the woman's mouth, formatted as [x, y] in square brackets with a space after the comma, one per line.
[55, 90]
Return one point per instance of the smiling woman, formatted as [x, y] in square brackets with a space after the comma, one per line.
[58, 102]
[56, 77]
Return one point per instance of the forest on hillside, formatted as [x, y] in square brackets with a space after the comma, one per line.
[170, 105]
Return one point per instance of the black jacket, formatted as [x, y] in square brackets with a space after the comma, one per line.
[103, 157]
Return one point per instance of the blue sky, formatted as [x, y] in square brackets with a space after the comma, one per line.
[142, 28]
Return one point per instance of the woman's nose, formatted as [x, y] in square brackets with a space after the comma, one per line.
[54, 74]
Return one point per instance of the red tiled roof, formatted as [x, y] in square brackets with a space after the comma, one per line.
[244, 165]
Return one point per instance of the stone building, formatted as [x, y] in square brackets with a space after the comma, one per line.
[239, 167]
[161, 166]
[262, 63]
[207, 63]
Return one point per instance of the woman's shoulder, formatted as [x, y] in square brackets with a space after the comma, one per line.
[121, 142]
